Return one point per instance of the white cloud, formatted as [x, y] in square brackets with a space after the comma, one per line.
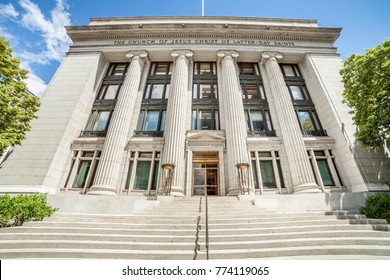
[52, 29]
[8, 11]
[55, 42]
[34, 84]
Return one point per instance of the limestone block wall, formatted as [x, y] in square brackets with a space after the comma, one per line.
[38, 165]
[321, 73]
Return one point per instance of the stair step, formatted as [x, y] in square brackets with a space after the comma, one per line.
[176, 229]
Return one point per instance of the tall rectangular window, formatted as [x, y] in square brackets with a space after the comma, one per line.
[303, 105]
[324, 167]
[144, 166]
[270, 172]
[82, 170]
[105, 101]
[151, 122]
[205, 105]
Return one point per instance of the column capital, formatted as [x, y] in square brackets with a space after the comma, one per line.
[227, 53]
[137, 54]
[265, 56]
[186, 53]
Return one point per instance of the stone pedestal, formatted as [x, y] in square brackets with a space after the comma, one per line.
[301, 172]
[175, 127]
[107, 173]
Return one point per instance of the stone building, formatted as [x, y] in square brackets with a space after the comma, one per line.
[233, 105]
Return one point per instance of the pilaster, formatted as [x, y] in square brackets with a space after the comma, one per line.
[110, 162]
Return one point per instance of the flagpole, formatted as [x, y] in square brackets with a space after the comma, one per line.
[202, 8]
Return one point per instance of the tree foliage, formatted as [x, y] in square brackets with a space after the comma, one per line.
[17, 106]
[377, 206]
[24, 208]
[367, 91]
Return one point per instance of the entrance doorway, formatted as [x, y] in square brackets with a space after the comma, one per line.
[205, 173]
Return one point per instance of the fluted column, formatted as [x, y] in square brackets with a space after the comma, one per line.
[236, 132]
[107, 173]
[301, 172]
[175, 127]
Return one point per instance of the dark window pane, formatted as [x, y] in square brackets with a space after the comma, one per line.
[255, 180]
[145, 155]
[280, 173]
[325, 173]
[88, 154]
[267, 174]
[82, 173]
[319, 153]
[264, 154]
[155, 176]
[142, 179]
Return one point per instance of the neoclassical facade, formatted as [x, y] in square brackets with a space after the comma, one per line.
[222, 105]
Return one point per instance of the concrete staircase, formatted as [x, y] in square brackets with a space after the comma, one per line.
[176, 230]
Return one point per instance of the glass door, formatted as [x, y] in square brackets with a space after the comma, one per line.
[205, 178]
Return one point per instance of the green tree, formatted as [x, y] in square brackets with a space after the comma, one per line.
[17, 105]
[367, 91]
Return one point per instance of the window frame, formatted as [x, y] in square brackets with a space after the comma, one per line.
[78, 157]
[215, 118]
[273, 156]
[134, 158]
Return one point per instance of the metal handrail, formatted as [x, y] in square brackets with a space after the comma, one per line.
[207, 222]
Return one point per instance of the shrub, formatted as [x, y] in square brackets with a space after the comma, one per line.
[377, 206]
[15, 210]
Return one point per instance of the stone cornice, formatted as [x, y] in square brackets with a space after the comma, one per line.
[201, 30]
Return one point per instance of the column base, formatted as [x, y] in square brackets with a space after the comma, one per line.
[102, 190]
[307, 188]
[177, 191]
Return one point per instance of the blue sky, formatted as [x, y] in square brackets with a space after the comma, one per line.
[35, 27]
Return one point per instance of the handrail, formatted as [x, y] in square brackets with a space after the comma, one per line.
[207, 223]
